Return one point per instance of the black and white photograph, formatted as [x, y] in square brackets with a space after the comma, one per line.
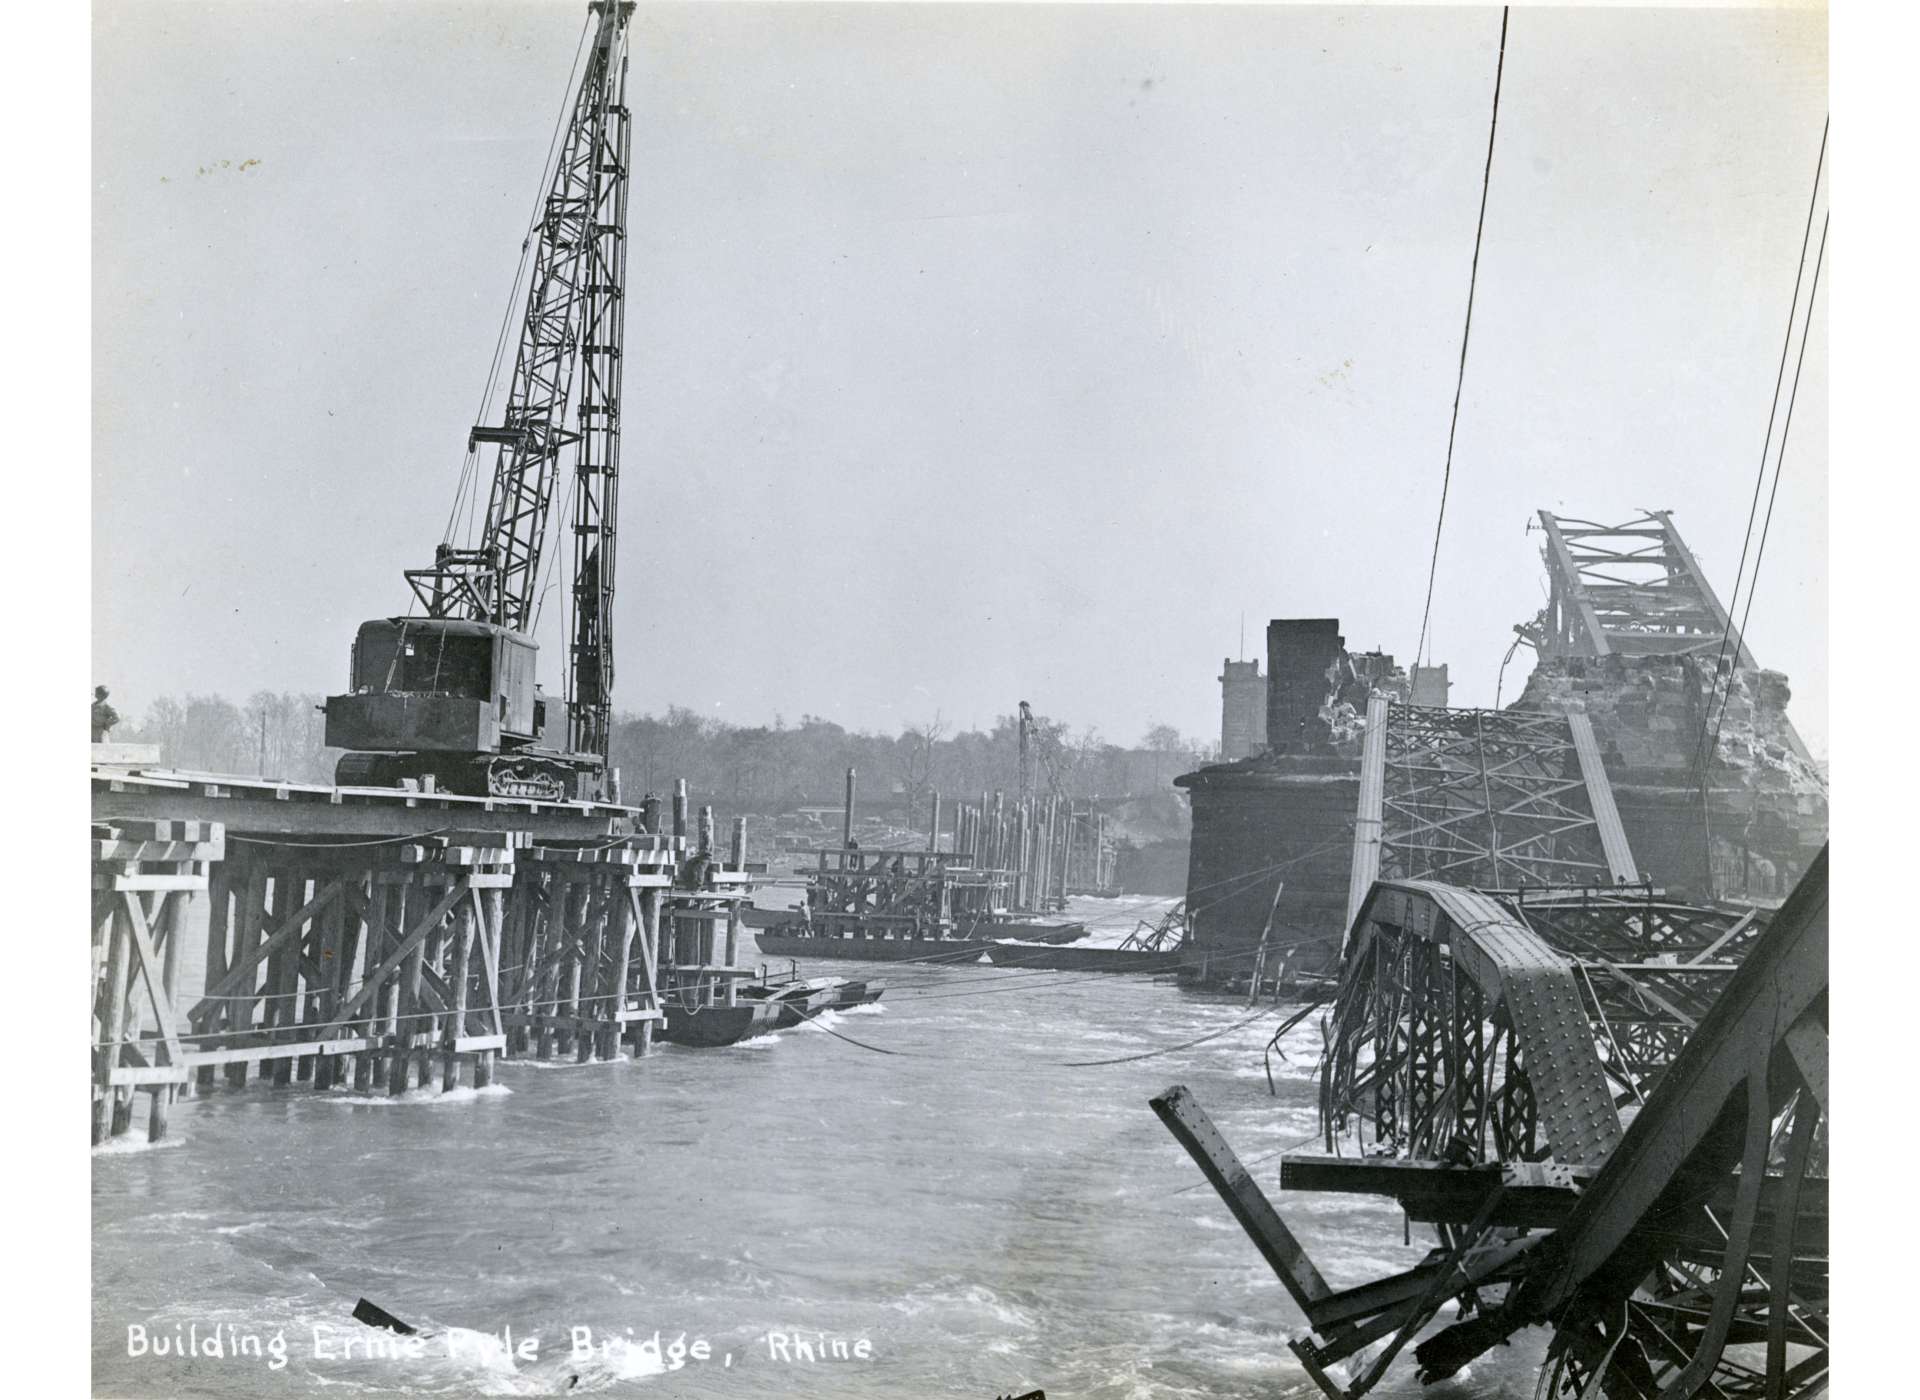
[979, 701]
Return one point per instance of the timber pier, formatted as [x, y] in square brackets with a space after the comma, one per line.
[387, 939]
[986, 899]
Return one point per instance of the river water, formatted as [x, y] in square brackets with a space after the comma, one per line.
[974, 1214]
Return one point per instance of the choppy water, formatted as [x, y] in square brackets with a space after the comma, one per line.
[987, 1218]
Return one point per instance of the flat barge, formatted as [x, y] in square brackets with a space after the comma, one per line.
[792, 941]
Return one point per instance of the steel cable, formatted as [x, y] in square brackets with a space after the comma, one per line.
[1473, 280]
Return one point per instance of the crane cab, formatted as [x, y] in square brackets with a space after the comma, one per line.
[438, 685]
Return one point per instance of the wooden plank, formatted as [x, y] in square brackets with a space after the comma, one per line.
[174, 852]
[339, 1045]
[126, 884]
[150, 970]
[368, 812]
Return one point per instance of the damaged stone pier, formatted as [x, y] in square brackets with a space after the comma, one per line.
[1273, 831]
[1688, 745]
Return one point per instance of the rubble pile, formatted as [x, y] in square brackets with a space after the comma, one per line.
[1759, 796]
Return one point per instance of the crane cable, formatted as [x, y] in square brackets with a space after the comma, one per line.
[1473, 278]
[1704, 752]
[1779, 461]
[468, 489]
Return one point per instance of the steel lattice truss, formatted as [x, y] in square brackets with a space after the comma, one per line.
[1422, 1065]
[1468, 1036]
[1674, 1274]
[1425, 1059]
[1649, 968]
[1488, 799]
[1630, 590]
[564, 397]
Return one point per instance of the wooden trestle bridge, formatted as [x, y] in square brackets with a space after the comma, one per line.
[1608, 1105]
[391, 939]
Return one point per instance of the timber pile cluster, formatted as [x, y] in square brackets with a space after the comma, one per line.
[1050, 848]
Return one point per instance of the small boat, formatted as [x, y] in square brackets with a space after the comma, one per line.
[1026, 930]
[848, 995]
[796, 998]
[709, 1027]
[755, 917]
[800, 1002]
[860, 994]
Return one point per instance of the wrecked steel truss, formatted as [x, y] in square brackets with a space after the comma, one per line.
[1482, 1048]
[1627, 590]
[1489, 799]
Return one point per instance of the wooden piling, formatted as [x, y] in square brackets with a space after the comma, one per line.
[413, 900]
[457, 987]
[217, 900]
[596, 997]
[144, 875]
[494, 903]
[620, 935]
[738, 862]
[112, 1020]
[650, 964]
[283, 974]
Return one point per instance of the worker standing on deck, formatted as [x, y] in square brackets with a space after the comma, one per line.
[104, 715]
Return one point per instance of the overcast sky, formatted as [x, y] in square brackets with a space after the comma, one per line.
[973, 354]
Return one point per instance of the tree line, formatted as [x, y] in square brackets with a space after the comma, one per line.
[744, 768]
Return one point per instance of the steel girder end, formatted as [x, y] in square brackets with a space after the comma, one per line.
[1309, 1355]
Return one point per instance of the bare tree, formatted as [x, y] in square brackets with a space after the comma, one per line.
[1161, 740]
[914, 756]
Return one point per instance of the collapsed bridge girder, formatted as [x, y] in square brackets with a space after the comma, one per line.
[1458, 1030]
[1449, 1040]
[1629, 590]
[1653, 1275]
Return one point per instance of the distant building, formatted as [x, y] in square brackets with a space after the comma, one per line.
[1243, 710]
